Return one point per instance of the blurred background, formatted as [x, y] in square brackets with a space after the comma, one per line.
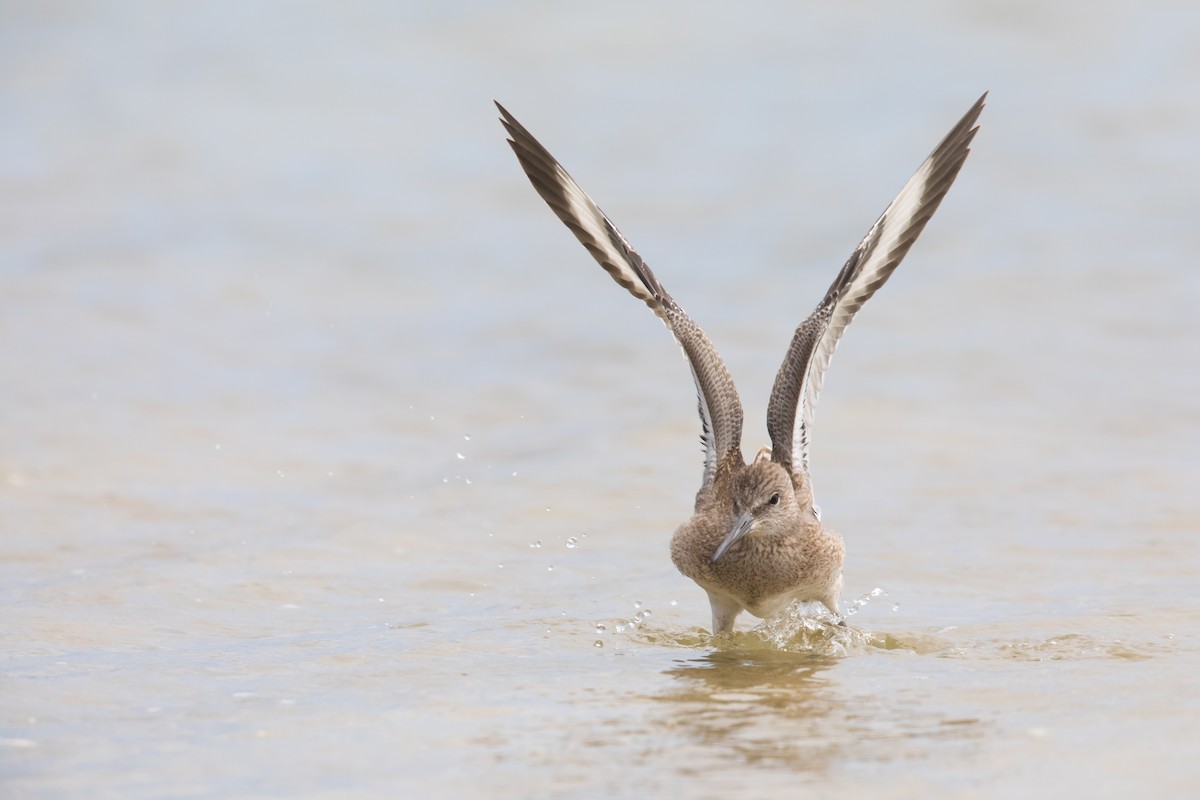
[331, 464]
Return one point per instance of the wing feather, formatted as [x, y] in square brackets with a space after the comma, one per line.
[800, 378]
[718, 403]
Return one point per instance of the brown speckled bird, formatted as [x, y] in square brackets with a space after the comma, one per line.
[755, 540]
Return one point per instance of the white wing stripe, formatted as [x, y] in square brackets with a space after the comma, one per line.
[718, 404]
[873, 261]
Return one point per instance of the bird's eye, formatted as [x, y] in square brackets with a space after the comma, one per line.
[774, 499]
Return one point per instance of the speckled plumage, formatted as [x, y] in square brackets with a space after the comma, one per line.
[755, 541]
[788, 556]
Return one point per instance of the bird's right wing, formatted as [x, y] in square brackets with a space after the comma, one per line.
[719, 406]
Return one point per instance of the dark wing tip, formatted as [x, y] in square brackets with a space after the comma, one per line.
[970, 119]
[514, 129]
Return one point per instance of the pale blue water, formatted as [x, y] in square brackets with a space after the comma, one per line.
[296, 367]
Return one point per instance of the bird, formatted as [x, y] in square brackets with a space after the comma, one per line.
[755, 541]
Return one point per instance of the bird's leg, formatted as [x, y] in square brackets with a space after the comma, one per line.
[831, 602]
[724, 612]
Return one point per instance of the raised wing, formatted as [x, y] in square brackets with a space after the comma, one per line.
[798, 383]
[719, 405]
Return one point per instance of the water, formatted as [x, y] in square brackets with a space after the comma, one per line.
[294, 360]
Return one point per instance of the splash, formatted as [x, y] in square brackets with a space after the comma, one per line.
[807, 628]
[802, 628]
[862, 600]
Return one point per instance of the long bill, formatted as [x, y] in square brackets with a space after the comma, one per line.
[741, 526]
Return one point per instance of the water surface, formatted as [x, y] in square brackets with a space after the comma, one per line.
[325, 449]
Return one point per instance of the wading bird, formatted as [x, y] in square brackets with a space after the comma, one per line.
[755, 541]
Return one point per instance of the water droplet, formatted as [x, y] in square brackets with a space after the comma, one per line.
[572, 543]
[876, 592]
[501, 566]
[674, 603]
[461, 457]
[466, 438]
[645, 612]
[895, 606]
[620, 627]
[637, 603]
[536, 544]
[639, 617]
[597, 643]
[550, 568]
[600, 627]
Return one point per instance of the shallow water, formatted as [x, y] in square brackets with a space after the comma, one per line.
[325, 450]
